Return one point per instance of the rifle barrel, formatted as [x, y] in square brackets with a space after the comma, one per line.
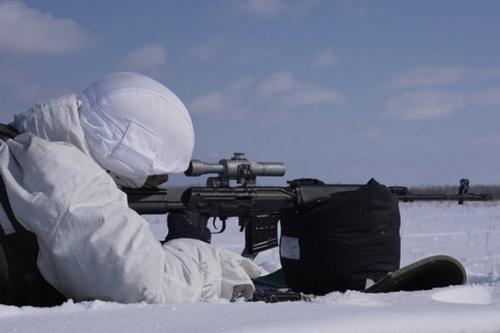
[445, 197]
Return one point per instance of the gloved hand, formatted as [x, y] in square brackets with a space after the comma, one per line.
[208, 272]
[179, 226]
[237, 275]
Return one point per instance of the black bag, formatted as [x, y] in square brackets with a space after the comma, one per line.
[349, 238]
[21, 283]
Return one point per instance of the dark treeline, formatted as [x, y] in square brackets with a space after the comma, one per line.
[493, 189]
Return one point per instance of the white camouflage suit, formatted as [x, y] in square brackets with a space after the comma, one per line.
[60, 177]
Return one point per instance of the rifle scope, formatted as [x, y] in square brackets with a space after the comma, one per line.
[236, 167]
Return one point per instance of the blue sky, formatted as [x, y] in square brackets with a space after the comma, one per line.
[407, 92]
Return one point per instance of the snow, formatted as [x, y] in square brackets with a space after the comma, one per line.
[470, 233]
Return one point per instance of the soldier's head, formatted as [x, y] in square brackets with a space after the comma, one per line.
[136, 128]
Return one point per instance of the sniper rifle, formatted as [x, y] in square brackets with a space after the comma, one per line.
[258, 208]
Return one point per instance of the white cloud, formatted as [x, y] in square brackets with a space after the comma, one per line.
[228, 101]
[277, 83]
[325, 58]
[264, 8]
[310, 95]
[489, 96]
[352, 6]
[426, 76]
[433, 103]
[293, 93]
[30, 31]
[430, 76]
[146, 58]
[277, 93]
[241, 86]
[209, 48]
[216, 102]
[272, 8]
[426, 104]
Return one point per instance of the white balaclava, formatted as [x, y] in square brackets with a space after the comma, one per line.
[136, 127]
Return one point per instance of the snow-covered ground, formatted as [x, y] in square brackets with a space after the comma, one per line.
[470, 233]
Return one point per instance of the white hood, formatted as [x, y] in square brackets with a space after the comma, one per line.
[136, 127]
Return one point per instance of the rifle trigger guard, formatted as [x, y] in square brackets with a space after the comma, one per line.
[221, 229]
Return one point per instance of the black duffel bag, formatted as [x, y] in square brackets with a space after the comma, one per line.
[345, 242]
